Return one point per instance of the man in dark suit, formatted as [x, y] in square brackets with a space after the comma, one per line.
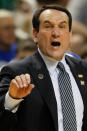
[30, 89]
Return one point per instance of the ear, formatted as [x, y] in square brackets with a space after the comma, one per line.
[35, 36]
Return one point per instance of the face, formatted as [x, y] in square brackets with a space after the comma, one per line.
[53, 38]
[7, 35]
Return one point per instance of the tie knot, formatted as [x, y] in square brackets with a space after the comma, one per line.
[61, 66]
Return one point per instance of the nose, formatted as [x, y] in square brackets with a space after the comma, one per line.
[55, 33]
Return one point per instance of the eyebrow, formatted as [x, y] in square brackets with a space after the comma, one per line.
[47, 22]
[63, 22]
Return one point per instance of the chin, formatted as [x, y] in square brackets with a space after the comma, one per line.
[58, 56]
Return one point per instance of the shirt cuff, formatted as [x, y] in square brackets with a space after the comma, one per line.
[11, 104]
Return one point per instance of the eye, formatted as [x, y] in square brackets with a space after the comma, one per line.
[62, 26]
[48, 26]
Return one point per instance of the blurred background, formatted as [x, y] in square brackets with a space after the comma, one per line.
[16, 41]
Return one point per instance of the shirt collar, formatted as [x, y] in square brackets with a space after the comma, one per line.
[50, 62]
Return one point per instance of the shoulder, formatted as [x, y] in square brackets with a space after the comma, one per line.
[27, 65]
[77, 62]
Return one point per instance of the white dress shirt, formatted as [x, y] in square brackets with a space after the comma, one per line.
[53, 71]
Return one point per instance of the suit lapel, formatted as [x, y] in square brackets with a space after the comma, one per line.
[79, 75]
[43, 82]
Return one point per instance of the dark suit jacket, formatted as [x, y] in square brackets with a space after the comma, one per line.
[38, 111]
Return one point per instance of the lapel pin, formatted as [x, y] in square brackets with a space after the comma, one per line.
[40, 76]
[80, 75]
[82, 83]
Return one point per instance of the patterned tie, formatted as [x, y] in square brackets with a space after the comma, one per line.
[67, 100]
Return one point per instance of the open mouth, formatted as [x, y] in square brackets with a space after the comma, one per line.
[55, 44]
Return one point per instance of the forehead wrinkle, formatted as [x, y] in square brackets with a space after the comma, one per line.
[51, 22]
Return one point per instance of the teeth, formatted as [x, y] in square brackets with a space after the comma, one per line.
[55, 43]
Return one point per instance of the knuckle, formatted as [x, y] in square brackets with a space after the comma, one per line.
[27, 75]
[13, 80]
[22, 75]
[17, 77]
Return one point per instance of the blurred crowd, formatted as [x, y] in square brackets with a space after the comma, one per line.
[16, 41]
